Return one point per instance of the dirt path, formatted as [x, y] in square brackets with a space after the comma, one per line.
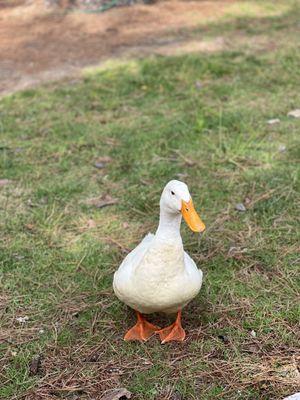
[38, 45]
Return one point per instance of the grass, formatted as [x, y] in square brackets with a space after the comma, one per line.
[59, 252]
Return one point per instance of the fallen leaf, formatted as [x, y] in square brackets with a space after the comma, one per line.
[169, 393]
[182, 175]
[145, 182]
[252, 349]
[91, 223]
[30, 203]
[111, 141]
[116, 394]
[234, 249]
[289, 371]
[247, 201]
[273, 121]
[35, 365]
[30, 227]
[102, 201]
[294, 113]
[4, 182]
[240, 207]
[104, 159]
[177, 396]
[186, 160]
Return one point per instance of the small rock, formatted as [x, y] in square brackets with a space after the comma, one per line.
[253, 333]
[22, 320]
[294, 113]
[102, 161]
[99, 165]
[240, 207]
[273, 121]
[198, 85]
[224, 338]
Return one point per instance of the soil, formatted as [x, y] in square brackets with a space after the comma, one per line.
[41, 43]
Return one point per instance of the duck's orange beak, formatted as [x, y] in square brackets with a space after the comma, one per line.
[191, 217]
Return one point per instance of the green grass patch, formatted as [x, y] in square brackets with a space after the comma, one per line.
[149, 117]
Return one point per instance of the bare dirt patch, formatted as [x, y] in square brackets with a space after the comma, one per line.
[38, 44]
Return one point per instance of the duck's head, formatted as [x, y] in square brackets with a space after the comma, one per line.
[176, 199]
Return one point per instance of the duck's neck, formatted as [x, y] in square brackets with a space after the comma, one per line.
[169, 226]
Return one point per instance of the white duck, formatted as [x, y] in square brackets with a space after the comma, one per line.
[158, 275]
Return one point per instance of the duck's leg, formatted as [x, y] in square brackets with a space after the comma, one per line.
[174, 332]
[142, 330]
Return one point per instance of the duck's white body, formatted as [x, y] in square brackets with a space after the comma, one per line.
[158, 275]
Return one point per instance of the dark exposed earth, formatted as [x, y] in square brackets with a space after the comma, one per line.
[41, 41]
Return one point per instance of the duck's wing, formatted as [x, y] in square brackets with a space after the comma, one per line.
[123, 282]
[191, 267]
[136, 255]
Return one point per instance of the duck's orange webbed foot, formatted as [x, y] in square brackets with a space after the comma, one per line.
[142, 330]
[174, 332]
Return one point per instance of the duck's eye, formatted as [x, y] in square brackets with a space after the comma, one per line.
[172, 193]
